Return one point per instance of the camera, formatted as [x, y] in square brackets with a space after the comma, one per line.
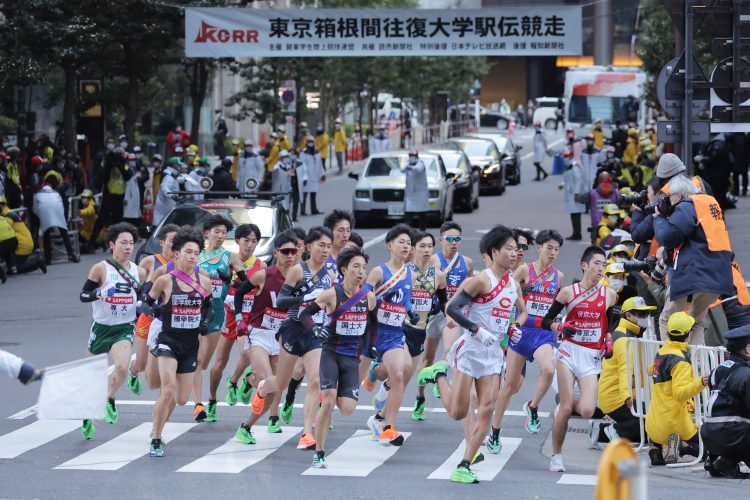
[650, 265]
[662, 202]
[638, 199]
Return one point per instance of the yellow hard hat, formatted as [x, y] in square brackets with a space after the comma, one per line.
[192, 147]
[619, 249]
[611, 209]
[636, 304]
[615, 268]
[55, 174]
[87, 193]
[680, 324]
[3, 200]
[632, 131]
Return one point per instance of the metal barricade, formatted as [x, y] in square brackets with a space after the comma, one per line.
[74, 223]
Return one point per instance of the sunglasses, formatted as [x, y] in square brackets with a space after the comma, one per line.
[523, 246]
[452, 239]
[288, 251]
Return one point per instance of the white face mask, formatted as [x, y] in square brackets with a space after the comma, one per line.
[613, 219]
[110, 146]
[124, 145]
[412, 161]
[643, 322]
[620, 259]
[616, 284]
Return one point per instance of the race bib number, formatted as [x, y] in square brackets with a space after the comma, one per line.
[247, 303]
[351, 324]
[450, 291]
[217, 287]
[421, 301]
[587, 334]
[120, 306]
[538, 306]
[272, 319]
[500, 320]
[186, 317]
[391, 314]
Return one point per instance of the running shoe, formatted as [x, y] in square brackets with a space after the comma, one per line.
[306, 442]
[417, 414]
[110, 413]
[436, 391]
[378, 401]
[611, 432]
[533, 425]
[655, 455]
[157, 448]
[494, 446]
[258, 402]
[556, 463]
[319, 461]
[429, 374]
[673, 454]
[88, 430]
[134, 383]
[390, 437]
[371, 380]
[478, 457]
[199, 412]
[273, 427]
[245, 389]
[594, 427]
[463, 474]
[232, 396]
[330, 425]
[211, 415]
[244, 435]
[373, 424]
[287, 412]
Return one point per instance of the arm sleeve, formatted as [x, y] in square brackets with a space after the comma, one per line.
[372, 329]
[286, 299]
[455, 311]
[641, 227]
[88, 293]
[244, 288]
[442, 298]
[306, 315]
[552, 313]
[684, 386]
[207, 314]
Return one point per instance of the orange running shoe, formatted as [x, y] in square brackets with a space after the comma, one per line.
[306, 442]
[200, 412]
[258, 402]
[371, 381]
[390, 436]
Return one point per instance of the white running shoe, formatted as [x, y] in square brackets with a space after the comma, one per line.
[374, 425]
[556, 463]
[595, 425]
[611, 433]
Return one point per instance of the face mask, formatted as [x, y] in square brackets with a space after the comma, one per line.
[131, 163]
[643, 322]
[287, 162]
[156, 164]
[412, 161]
[138, 155]
[124, 145]
[202, 171]
[248, 150]
[590, 144]
[620, 260]
[613, 219]
[310, 145]
[616, 284]
[110, 146]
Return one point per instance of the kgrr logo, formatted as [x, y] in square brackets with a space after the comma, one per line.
[208, 33]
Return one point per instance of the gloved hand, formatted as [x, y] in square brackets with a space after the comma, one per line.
[106, 292]
[151, 311]
[515, 334]
[567, 329]
[485, 337]
[226, 278]
[320, 332]
[322, 178]
[413, 317]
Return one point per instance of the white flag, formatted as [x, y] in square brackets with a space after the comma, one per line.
[75, 390]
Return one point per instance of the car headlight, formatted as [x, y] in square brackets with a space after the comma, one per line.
[362, 193]
[434, 193]
[492, 168]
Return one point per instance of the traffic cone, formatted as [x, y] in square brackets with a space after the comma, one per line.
[148, 207]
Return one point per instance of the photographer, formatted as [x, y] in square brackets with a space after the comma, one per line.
[641, 225]
[691, 225]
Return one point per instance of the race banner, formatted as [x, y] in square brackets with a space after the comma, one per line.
[504, 31]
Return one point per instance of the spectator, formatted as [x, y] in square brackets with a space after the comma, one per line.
[619, 138]
[8, 241]
[590, 158]
[521, 115]
[97, 164]
[141, 173]
[741, 151]
[339, 145]
[281, 177]
[87, 212]
[25, 258]
[112, 181]
[315, 173]
[559, 113]
[540, 151]
[718, 164]
[220, 135]
[165, 201]
[177, 137]
[380, 142]
[504, 107]
[251, 166]
[530, 111]
[605, 192]
[48, 206]
[693, 228]
[132, 201]
[322, 142]
[416, 194]
[222, 176]
[13, 186]
[574, 189]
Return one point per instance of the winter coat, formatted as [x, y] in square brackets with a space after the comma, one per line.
[321, 144]
[300, 175]
[281, 181]
[416, 192]
[222, 179]
[573, 184]
[589, 164]
[540, 146]
[314, 170]
[250, 166]
[48, 206]
[132, 202]
[164, 202]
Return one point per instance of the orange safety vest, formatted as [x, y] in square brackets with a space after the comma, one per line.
[711, 219]
[743, 295]
[696, 180]
[653, 247]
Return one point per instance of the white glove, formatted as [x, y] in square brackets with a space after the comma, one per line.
[485, 337]
[515, 334]
[314, 294]
[106, 292]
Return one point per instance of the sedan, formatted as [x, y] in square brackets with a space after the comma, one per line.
[487, 117]
[379, 194]
[484, 155]
[466, 178]
[509, 154]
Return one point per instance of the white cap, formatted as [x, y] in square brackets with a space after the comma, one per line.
[248, 142]
[284, 153]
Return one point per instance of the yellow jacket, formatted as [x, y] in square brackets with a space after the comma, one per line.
[339, 141]
[614, 384]
[6, 229]
[598, 134]
[285, 143]
[630, 155]
[88, 218]
[321, 144]
[273, 156]
[235, 163]
[302, 142]
[673, 387]
[22, 233]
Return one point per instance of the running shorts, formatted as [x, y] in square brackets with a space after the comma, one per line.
[183, 348]
[339, 371]
[473, 358]
[103, 337]
[296, 339]
[414, 340]
[265, 339]
[229, 328]
[582, 361]
[153, 332]
[435, 326]
[531, 340]
[218, 320]
[389, 340]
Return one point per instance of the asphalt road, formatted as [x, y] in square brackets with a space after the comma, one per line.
[42, 320]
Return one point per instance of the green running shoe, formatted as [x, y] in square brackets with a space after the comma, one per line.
[494, 446]
[330, 425]
[533, 425]
[244, 435]
[417, 414]
[436, 391]
[479, 457]
[429, 374]
[245, 389]
[211, 415]
[110, 413]
[287, 412]
[232, 397]
[463, 474]
[134, 384]
[157, 448]
[274, 426]
[88, 430]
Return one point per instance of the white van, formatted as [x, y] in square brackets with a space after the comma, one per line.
[544, 111]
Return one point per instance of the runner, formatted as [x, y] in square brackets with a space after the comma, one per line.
[476, 357]
[583, 332]
[392, 284]
[185, 294]
[525, 238]
[246, 236]
[217, 262]
[351, 330]
[304, 283]
[263, 324]
[540, 284]
[112, 288]
[149, 264]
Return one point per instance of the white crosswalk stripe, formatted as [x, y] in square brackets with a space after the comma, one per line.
[358, 456]
[125, 448]
[34, 435]
[233, 457]
[579, 479]
[486, 470]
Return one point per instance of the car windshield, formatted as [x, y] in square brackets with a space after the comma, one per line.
[476, 148]
[237, 212]
[390, 166]
[587, 109]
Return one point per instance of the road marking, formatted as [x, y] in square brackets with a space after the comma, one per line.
[555, 143]
[34, 435]
[358, 456]
[376, 239]
[233, 457]
[486, 470]
[580, 479]
[125, 448]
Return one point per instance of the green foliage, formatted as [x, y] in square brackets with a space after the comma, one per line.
[7, 125]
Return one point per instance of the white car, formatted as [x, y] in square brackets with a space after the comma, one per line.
[379, 194]
[545, 111]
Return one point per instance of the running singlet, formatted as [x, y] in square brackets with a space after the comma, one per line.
[458, 272]
[347, 332]
[393, 304]
[181, 314]
[310, 282]
[422, 292]
[589, 318]
[331, 266]
[218, 287]
[264, 313]
[119, 302]
[250, 266]
[542, 295]
[492, 311]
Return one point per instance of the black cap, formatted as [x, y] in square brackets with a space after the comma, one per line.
[226, 162]
[738, 336]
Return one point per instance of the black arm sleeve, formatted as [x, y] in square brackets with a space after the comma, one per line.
[207, 314]
[372, 330]
[442, 298]
[286, 299]
[88, 293]
[455, 311]
[145, 289]
[244, 288]
[241, 275]
[306, 315]
[549, 318]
